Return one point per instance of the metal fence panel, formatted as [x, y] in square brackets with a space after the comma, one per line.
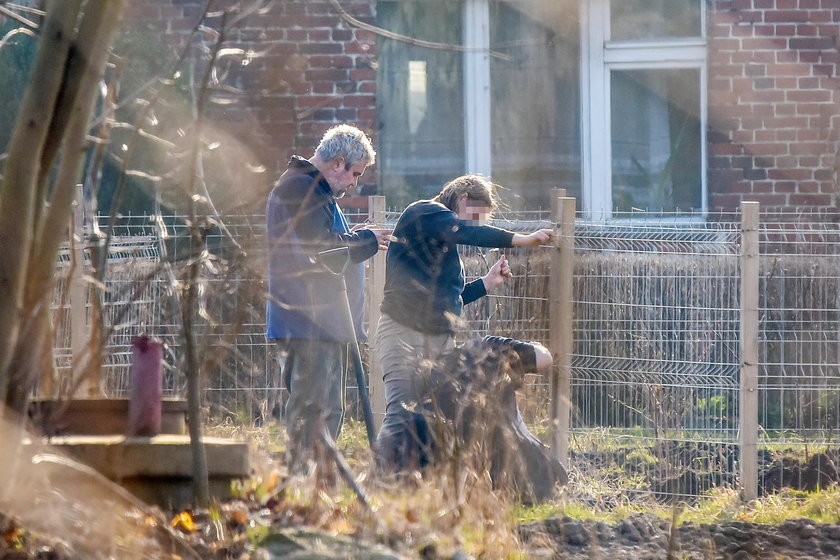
[656, 325]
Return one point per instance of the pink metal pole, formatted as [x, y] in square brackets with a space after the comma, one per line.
[146, 392]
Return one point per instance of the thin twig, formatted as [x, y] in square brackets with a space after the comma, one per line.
[19, 18]
[411, 40]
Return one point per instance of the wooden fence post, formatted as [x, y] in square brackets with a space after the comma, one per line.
[79, 336]
[748, 389]
[560, 321]
[376, 288]
[76, 311]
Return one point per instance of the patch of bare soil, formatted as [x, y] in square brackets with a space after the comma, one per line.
[643, 537]
[649, 537]
[776, 470]
[639, 537]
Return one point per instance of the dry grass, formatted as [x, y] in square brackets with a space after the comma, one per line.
[455, 509]
[436, 515]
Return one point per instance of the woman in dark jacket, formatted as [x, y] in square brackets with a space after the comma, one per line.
[424, 282]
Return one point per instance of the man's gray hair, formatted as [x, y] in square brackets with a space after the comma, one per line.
[346, 141]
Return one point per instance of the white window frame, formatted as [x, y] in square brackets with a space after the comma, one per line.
[599, 57]
[477, 103]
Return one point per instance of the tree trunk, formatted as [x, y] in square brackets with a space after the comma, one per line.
[22, 170]
[55, 112]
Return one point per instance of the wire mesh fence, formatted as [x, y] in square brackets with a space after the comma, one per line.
[799, 368]
[656, 360]
[657, 319]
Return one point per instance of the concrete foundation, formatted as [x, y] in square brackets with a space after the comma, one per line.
[158, 469]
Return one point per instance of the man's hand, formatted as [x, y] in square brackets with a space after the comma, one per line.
[497, 274]
[383, 236]
[539, 237]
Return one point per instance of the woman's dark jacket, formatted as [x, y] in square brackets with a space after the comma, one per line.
[424, 275]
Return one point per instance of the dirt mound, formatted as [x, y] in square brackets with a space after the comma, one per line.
[817, 471]
[646, 536]
[686, 469]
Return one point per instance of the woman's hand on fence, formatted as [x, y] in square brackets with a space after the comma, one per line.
[543, 355]
[497, 274]
[539, 237]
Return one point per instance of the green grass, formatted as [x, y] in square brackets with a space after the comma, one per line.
[718, 506]
[353, 437]
[820, 506]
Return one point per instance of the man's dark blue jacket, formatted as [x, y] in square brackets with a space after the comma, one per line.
[303, 219]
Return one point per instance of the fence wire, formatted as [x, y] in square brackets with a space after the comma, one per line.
[655, 365]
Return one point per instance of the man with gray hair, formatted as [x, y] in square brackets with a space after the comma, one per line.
[303, 312]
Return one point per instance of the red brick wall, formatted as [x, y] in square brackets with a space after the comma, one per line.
[773, 103]
[310, 69]
[773, 88]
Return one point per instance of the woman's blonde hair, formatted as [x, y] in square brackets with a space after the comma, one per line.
[476, 187]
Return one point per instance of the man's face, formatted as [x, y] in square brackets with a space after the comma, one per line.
[342, 179]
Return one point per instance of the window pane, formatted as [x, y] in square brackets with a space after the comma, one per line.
[419, 99]
[656, 158]
[654, 19]
[535, 100]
